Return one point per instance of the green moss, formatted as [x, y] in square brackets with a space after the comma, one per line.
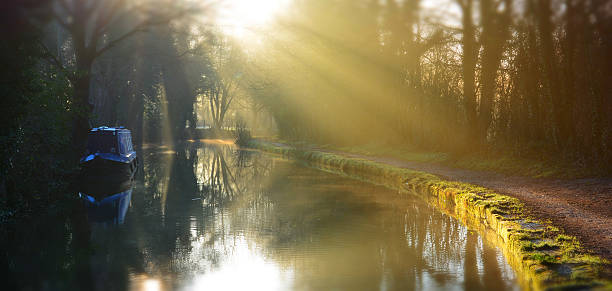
[543, 258]
[564, 238]
[545, 245]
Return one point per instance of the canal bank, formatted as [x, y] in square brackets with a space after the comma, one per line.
[541, 252]
[208, 215]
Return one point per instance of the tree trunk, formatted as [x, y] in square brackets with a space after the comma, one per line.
[494, 35]
[468, 43]
[544, 15]
[84, 61]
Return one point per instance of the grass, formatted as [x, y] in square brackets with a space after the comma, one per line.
[499, 162]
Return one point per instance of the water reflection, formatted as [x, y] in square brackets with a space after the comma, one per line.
[111, 209]
[108, 207]
[215, 217]
[237, 218]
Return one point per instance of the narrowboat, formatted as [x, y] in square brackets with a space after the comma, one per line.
[110, 209]
[110, 160]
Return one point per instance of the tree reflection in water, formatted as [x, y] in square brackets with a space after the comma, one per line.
[337, 233]
[215, 216]
[321, 231]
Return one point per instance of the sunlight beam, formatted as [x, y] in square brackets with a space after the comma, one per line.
[237, 17]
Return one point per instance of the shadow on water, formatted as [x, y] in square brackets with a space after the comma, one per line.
[53, 250]
[216, 217]
[34, 252]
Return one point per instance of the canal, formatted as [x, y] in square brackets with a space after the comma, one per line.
[212, 217]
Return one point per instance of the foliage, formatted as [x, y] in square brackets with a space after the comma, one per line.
[242, 133]
[35, 141]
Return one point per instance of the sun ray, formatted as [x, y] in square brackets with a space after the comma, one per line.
[238, 17]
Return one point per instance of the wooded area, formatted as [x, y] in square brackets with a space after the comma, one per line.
[529, 77]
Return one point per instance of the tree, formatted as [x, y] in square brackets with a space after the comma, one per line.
[221, 83]
[89, 23]
[469, 58]
[495, 33]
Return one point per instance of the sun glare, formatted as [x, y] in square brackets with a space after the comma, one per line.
[237, 17]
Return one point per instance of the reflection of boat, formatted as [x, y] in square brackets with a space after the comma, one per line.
[110, 157]
[110, 209]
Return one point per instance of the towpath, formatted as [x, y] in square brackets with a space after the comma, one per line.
[582, 207]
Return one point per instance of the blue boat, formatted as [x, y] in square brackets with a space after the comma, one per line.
[110, 159]
[111, 209]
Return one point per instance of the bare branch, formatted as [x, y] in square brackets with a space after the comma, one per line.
[52, 58]
[103, 21]
[141, 27]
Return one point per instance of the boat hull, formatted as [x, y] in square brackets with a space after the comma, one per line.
[99, 176]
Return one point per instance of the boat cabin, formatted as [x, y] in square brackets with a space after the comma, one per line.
[110, 158]
[114, 140]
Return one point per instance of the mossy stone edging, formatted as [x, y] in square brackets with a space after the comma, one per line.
[547, 258]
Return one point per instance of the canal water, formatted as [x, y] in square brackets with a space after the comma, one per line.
[212, 217]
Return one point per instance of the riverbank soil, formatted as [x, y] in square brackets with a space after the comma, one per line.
[582, 207]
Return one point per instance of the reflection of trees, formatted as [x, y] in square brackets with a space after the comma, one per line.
[114, 258]
[221, 182]
[179, 223]
[173, 227]
[222, 172]
[329, 229]
[35, 255]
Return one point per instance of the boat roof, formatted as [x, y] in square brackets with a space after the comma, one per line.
[109, 129]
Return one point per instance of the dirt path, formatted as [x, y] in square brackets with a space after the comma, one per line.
[582, 207]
